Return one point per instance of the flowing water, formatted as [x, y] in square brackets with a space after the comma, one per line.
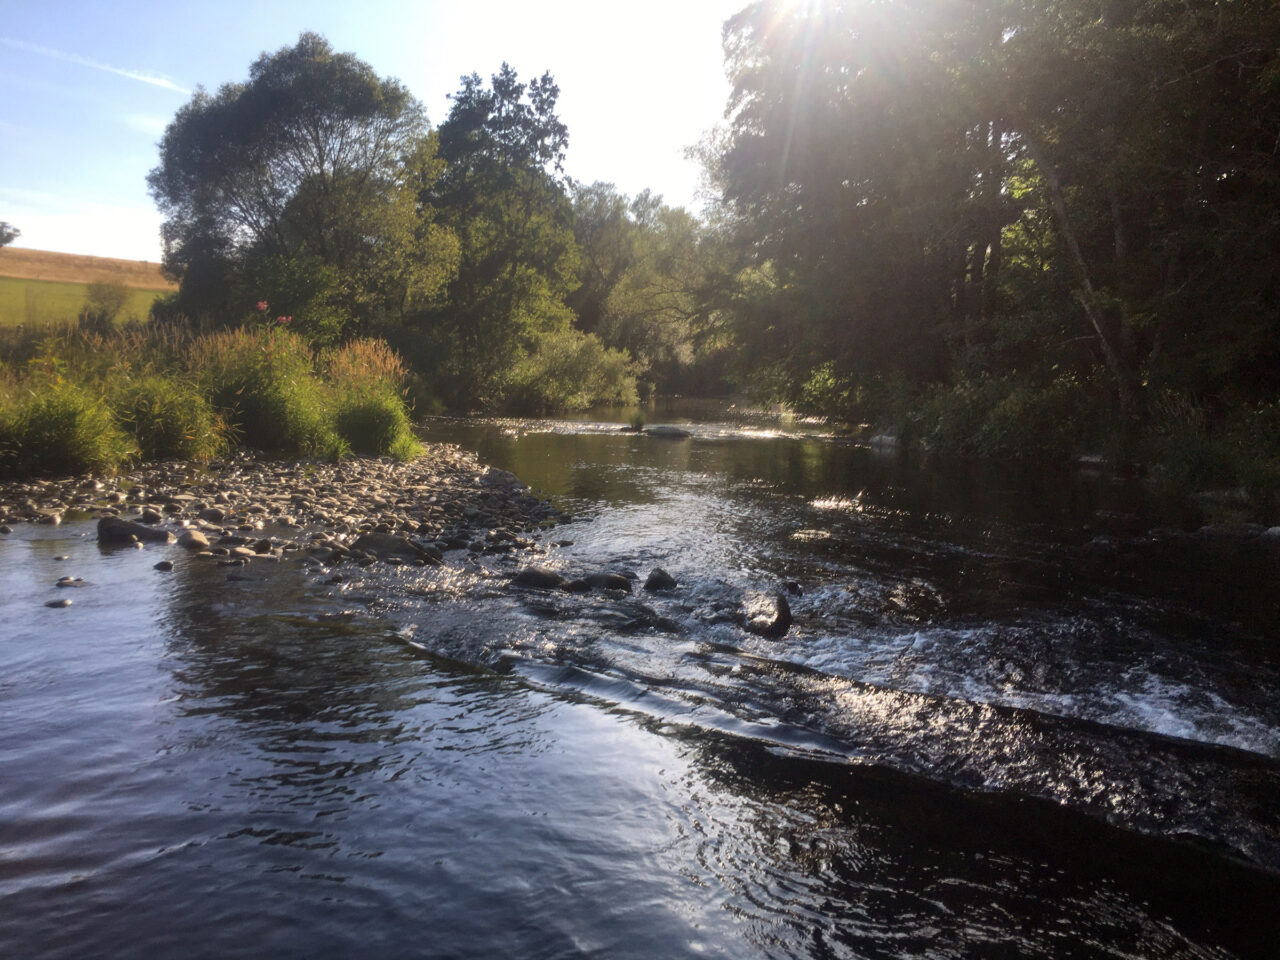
[987, 734]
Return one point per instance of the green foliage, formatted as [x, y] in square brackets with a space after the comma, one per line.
[60, 429]
[169, 419]
[8, 233]
[261, 382]
[39, 303]
[502, 193]
[104, 300]
[1009, 419]
[299, 187]
[571, 370]
[373, 422]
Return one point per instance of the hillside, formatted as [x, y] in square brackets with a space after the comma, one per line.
[44, 265]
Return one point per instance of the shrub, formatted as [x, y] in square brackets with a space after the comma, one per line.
[571, 370]
[170, 419]
[60, 430]
[261, 381]
[373, 422]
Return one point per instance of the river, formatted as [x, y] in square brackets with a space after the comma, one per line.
[1009, 720]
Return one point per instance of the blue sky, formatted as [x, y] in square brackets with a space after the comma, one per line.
[86, 89]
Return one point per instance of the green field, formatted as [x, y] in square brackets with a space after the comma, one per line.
[41, 302]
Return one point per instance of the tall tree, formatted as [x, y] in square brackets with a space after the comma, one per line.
[503, 192]
[298, 187]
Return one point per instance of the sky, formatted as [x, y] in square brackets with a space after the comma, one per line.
[87, 88]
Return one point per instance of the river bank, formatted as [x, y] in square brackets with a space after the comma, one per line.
[245, 509]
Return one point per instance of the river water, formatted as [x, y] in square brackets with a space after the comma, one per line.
[988, 733]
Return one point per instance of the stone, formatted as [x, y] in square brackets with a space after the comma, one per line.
[150, 515]
[667, 433]
[659, 579]
[539, 578]
[193, 540]
[778, 626]
[64, 602]
[609, 581]
[164, 565]
[115, 530]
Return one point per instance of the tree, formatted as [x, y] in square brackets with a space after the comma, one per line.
[299, 187]
[502, 191]
[8, 233]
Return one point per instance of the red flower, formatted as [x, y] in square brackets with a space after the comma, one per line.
[262, 305]
[283, 319]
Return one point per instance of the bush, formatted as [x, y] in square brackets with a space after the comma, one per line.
[374, 423]
[1015, 420]
[261, 382]
[570, 370]
[170, 420]
[60, 430]
[364, 364]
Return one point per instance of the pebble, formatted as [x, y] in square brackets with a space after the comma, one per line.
[164, 565]
[64, 602]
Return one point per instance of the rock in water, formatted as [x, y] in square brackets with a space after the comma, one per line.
[777, 627]
[659, 579]
[115, 530]
[193, 540]
[667, 433]
[536, 578]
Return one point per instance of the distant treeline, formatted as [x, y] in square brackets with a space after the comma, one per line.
[1005, 228]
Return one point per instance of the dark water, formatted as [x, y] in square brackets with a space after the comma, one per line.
[983, 737]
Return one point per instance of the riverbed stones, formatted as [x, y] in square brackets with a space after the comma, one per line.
[57, 604]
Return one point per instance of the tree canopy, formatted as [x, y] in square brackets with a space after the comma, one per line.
[298, 187]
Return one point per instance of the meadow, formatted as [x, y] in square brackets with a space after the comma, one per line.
[39, 287]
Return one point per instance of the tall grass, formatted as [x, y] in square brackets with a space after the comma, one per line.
[62, 429]
[261, 381]
[174, 391]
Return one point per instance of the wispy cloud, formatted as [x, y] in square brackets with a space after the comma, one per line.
[154, 80]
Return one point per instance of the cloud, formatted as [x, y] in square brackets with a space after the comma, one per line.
[154, 80]
[69, 224]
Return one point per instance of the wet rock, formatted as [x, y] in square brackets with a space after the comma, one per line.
[117, 531]
[70, 582]
[163, 565]
[150, 515]
[778, 626]
[5, 528]
[608, 581]
[212, 514]
[193, 540]
[64, 602]
[667, 433]
[538, 578]
[659, 579]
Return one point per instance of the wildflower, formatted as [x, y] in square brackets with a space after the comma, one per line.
[262, 306]
[283, 320]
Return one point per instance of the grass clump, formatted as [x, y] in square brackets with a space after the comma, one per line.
[60, 430]
[261, 382]
[170, 419]
[374, 423]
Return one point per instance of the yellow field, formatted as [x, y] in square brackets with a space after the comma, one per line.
[74, 268]
[40, 287]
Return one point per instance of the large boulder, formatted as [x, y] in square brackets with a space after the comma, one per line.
[117, 531]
